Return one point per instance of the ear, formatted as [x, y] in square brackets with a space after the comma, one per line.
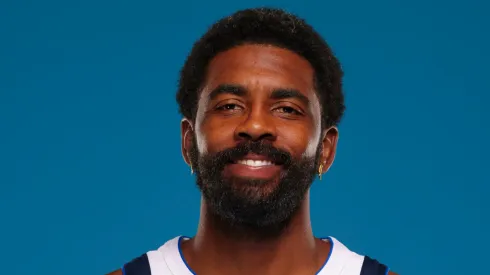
[186, 134]
[329, 147]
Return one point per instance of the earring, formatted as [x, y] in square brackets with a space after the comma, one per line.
[320, 171]
[192, 170]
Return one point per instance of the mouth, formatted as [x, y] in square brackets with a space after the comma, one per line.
[254, 163]
[253, 166]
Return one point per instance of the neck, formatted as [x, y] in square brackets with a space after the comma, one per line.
[294, 250]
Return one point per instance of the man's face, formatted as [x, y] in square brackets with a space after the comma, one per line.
[257, 143]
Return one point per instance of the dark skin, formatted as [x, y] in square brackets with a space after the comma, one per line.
[291, 122]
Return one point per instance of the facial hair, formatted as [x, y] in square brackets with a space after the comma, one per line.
[249, 206]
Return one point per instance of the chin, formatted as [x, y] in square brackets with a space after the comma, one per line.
[254, 189]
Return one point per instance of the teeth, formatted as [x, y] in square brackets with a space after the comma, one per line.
[254, 163]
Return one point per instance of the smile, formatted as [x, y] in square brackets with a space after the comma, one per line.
[254, 166]
[255, 163]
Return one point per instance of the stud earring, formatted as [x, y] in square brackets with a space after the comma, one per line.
[320, 171]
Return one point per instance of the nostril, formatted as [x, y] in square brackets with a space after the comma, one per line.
[257, 137]
[244, 135]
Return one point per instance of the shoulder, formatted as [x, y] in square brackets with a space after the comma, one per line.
[366, 265]
[143, 264]
[372, 266]
[119, 272]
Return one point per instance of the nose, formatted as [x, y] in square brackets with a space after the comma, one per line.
[256, 126]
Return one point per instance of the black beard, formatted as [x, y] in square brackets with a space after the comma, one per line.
[241, 207]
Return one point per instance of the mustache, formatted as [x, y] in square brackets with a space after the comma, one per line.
[262, 148]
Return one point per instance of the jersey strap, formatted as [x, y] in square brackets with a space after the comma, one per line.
[373, 267]
[138, 266]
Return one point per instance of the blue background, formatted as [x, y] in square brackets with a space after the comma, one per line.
[91, 171]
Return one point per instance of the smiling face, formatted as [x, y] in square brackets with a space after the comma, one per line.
[257, 140]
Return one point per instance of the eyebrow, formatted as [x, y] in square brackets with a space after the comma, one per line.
[290, 93]
[239, 90]
[227, 89]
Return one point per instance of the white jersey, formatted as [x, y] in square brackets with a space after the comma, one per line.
[168, 260]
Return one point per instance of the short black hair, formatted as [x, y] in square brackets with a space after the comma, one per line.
[269, 26]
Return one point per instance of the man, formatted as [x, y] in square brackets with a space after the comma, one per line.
[261, 95]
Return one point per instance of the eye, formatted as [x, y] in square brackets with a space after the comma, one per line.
[288, 110]
[228, 107]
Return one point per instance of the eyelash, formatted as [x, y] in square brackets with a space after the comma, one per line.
[296, 112]
[223, 107]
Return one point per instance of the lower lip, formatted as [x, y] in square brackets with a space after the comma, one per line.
[255, 172]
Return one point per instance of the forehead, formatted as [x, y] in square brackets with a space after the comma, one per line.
[261, 67]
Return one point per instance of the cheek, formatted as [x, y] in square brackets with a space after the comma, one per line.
[311, 149]
[313, 142]
[302, 140]
[315, 131]
[214, 137]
